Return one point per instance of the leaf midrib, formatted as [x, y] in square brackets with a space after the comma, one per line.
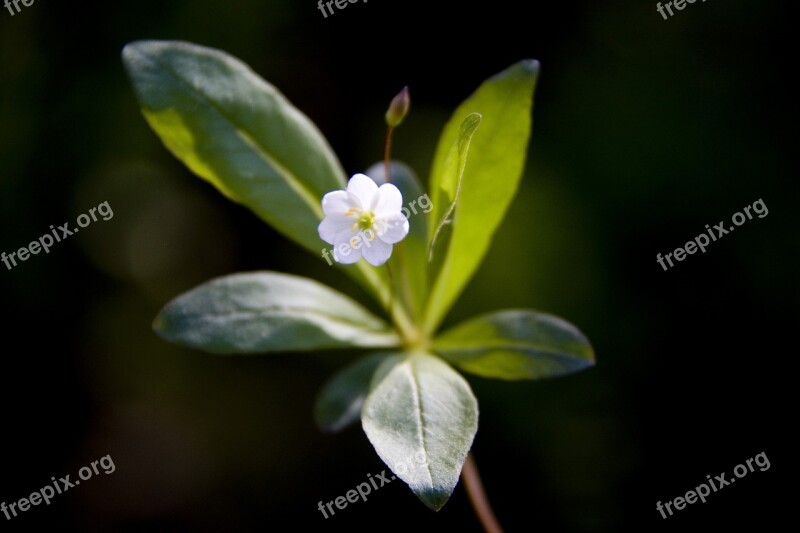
[418, 400]
[278, 310]
[519, 347]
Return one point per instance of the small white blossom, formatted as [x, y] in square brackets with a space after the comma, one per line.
[363, 221]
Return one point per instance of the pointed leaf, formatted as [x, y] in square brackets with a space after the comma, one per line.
[451, 180]
[490, 180]
[236, 131]
[421, 417]
[339, 402]
[269, 312]
[239, 133]
[516, 344]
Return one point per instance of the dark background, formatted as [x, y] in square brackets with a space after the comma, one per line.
[645, 131]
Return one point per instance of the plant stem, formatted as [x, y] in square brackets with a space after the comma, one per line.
[391, 287]
[406, 326]
[477, 496]
[405, 282]
[387, 152]
[408, 330]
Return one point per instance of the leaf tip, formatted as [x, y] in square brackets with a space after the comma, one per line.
[159, 324]
[531, 66]
[472, 121]
[134, 51]
[129, 49]
[591, 360]
[323, 425]
[434, 499]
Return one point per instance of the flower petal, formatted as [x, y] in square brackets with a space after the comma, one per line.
[363, 188]
[376, 252]
[388, 200]
[337, 202]
[347, 255]
[333, 225]
[393, 228]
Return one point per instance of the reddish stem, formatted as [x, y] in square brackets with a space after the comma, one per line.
[477, 496]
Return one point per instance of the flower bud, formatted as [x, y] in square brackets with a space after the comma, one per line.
[398, 109]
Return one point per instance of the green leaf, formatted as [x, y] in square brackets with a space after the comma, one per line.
[339, 402]
[490, 180]
[421, 417]
[238, 132]
[516, 344]
[269, 312]
[409, 258]
[451, 179]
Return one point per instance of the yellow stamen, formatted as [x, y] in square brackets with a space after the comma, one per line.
[366, 220]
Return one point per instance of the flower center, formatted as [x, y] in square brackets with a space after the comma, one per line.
[366, 220]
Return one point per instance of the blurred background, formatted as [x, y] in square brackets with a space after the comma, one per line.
[645, 130]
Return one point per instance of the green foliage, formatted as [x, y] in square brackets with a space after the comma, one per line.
[236, 131]
[516, 345]
[421, 414]
[239, 133]
[496, 161]
[451, 180]
[269, 312]
[340, 399]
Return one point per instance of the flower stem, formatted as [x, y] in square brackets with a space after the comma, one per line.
[387, 152]
[477, 496]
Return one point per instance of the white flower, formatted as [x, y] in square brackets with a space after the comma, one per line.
[363, 221]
